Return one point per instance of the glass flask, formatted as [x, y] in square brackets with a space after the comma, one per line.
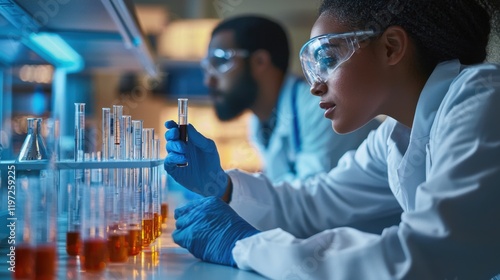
[33, 147]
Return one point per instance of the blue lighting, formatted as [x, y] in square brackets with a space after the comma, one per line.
[56, 50]
[38, 102]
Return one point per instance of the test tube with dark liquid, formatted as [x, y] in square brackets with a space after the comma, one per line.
[182, 114]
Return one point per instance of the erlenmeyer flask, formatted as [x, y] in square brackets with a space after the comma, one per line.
[33, 147]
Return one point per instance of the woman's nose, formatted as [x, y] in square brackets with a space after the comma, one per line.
[319, 88]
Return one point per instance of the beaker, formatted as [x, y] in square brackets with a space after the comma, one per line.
[33, 147]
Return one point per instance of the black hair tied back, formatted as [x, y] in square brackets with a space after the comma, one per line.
[441, 29]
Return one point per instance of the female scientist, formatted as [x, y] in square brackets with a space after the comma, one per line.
[437, 156]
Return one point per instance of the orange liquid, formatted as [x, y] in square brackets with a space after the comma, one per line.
[164, 212]
[25, 261]
[117, 247]
[134, 238]
[156, 225]
[147, 232]
[95, 255]
[159, 225]
[45, 261]
[73, 243]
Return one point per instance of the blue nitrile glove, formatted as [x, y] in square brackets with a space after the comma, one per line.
[209, 228]
[203, 175]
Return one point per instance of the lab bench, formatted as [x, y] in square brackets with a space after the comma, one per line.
[163, 259]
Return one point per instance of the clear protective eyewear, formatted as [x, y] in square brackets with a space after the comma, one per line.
[219, 61]
[321, 55]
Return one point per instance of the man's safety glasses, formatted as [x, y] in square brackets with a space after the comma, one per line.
[321, 55]
[219, 61]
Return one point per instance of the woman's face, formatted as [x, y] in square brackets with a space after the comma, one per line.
[354, 93]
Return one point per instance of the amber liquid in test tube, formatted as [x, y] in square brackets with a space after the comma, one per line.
[73, 243]
[135, 196]
[45, 261]
[45, 232]
[147, 182]
[155, 191]
[182, 114]
[163, 197]
[117, 241]
[25, 261]
[94, 254]
[73, 240]
[164, 212]
[25, 251]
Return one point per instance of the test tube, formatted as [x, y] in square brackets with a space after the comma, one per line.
[155, 190]
[73, 241]
[45, 231]
[107, 128]
[79, 131]
[182, 114]
[94, 256]
[147, 181]
[126, 137]
[106, 133]
[136, 203]
[137, 139]
[96, 173]
[117, 245]
[164, 197]
[23, 255]
[132, 228]
[117, 130]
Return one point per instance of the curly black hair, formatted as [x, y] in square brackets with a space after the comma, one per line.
[441, 29]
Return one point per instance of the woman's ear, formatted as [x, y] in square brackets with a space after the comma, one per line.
[395, 41]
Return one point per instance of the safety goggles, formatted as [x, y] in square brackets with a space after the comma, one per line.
[321, 55]
[219, 61]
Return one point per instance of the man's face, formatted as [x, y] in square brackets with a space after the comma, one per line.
[234, 90]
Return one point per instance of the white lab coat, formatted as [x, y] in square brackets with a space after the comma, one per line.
[444, 173]
[302, 147]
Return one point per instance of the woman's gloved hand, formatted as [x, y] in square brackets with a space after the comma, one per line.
[203, 175]
[209, 229]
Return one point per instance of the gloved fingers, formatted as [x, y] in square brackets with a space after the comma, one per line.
[178, 147]
[185, 221]
[181, 238]
[172, 134]
[186, 208]
[170, 124]
[199, 140]
[172, 159]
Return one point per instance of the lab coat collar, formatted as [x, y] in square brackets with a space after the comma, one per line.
[283, 106]
[431, 97]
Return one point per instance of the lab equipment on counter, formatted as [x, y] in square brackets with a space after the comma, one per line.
[33, 147]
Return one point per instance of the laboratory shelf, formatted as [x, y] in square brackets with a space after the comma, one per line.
[70, 164]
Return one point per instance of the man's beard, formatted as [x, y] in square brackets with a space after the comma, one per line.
[234, 102]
